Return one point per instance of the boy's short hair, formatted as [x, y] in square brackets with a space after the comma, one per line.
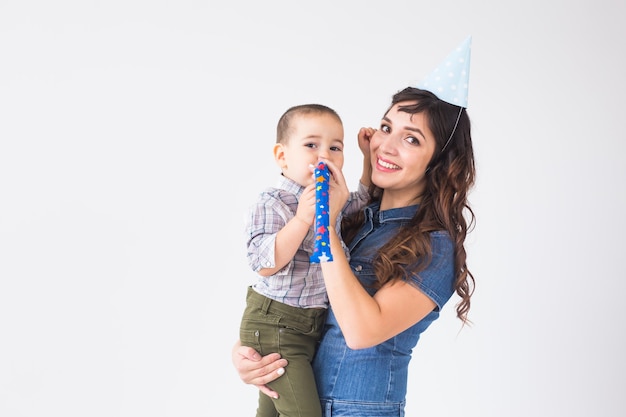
[285, 121]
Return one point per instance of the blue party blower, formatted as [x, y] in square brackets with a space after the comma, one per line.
[321, 250]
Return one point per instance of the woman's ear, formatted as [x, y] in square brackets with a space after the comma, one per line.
[279, 155]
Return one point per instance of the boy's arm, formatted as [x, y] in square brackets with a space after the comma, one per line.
[364, 136]
[360, 198]
[290, 237]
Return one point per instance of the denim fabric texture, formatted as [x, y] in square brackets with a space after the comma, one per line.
[339, 408]
[373, 381]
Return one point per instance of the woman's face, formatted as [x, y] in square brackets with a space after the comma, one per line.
[401, 150]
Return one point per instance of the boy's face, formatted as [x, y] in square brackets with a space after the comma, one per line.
[313, 137]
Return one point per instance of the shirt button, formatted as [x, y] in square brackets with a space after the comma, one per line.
[358, 268]
[268, 264]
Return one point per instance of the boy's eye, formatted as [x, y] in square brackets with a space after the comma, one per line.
[336, 148]
[310, 145]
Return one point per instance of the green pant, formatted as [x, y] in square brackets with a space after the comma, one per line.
[271, 326]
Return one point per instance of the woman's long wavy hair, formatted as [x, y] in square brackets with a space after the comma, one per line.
[443, 205]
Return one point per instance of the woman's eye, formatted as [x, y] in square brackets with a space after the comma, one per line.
[385, 128]
[413, 140]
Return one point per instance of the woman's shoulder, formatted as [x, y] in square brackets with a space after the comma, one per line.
[441, 237]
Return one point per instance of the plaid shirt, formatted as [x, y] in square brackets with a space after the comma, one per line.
[300, 283]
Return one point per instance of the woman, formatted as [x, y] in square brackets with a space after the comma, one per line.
[407, 258]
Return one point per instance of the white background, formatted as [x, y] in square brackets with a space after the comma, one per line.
[133, 135]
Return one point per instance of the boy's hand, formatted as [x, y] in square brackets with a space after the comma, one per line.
[364, 136]
[306, 205]
[338, 191]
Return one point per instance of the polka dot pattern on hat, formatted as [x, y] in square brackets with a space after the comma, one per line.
[450, 80]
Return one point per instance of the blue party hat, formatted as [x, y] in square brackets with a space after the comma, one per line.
[450, 80]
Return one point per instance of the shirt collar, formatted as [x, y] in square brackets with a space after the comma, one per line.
[289, 185]
[400, 213]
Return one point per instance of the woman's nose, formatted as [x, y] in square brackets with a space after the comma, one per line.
[388, 145]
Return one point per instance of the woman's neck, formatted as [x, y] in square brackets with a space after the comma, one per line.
[390, 200]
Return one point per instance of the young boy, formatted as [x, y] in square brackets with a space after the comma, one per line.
[286, 308]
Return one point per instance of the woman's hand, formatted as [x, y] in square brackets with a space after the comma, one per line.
[258, 370]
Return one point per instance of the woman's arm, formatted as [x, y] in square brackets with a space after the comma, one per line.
[257, 370]
[366, 321]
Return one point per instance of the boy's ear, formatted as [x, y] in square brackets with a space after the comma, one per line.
[279, 155]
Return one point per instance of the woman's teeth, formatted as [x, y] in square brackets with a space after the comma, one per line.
[387, 165]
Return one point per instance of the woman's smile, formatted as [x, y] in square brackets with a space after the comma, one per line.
[386, 164]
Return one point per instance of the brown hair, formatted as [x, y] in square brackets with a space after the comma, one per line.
[283, 129]
[444, 204]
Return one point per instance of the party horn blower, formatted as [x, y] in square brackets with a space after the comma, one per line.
[321, 250]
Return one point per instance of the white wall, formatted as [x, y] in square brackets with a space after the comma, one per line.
[133, 134]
